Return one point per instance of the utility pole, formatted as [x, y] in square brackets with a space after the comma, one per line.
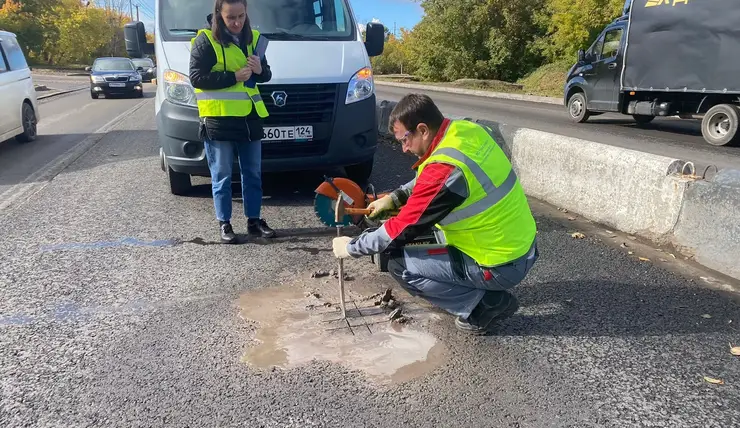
[130, 10]
[137, 12]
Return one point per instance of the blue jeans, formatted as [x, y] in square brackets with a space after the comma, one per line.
[220, 155]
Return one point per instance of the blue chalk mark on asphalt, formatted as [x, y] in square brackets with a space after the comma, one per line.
[18, 319]
[110, 244]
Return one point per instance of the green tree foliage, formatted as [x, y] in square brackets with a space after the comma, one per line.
[63, 32]
[574, 24]
[494, 39]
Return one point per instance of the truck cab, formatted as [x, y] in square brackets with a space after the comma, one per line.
[649, 63]
[593, 85]
[321, 99]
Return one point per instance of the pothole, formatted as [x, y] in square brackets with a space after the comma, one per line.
[384, 336]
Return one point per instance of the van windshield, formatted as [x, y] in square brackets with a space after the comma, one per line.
[276, 19]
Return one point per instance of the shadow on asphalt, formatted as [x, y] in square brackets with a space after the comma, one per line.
[675, 126]
[597, 307]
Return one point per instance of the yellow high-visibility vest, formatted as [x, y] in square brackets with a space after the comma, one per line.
[236, 100]
[494, 225]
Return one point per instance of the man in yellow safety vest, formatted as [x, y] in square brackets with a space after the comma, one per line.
[466, 188]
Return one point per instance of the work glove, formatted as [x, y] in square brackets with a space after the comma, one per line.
[339, 245]
[383, 204]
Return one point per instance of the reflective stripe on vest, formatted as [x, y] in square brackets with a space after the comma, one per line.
[493, 194]
[256, 98]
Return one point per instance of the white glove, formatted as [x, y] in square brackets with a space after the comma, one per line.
[383, 204]
[339, 245]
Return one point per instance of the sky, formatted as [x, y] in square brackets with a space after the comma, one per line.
[401, 13]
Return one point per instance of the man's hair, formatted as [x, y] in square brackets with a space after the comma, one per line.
[414, 109]
[218, 26]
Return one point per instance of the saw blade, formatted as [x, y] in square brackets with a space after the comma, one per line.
[323, 206]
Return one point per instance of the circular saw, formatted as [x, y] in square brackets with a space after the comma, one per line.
[353, 198]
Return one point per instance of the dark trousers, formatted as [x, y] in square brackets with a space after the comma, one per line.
[451, 280]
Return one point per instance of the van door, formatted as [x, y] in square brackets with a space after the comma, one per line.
[8, 113]
[606, 69]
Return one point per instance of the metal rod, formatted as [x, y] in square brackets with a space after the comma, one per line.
[341, 280]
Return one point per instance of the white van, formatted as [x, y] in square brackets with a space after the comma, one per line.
[322, 86]
[19, 110]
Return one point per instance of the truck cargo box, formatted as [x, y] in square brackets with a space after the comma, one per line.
[683, 46]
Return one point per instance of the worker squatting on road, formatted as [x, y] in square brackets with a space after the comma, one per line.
[465, 188]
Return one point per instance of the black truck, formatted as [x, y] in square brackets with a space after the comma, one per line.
[664, 58]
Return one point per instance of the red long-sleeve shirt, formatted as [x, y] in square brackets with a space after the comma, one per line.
[424, 202]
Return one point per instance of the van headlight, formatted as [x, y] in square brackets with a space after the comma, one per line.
[177, 88]
[97, 79]
[361, 86]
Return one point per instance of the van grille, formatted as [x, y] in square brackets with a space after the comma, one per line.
[305, 104]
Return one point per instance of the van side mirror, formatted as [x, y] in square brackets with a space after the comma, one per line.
[374, 38]
[581, 55]
[134, 35]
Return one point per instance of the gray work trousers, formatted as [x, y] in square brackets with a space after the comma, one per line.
[450, 279]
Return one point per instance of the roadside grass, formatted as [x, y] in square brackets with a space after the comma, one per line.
[546, 81]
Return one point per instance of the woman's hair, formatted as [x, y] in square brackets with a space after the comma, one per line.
[218, 26]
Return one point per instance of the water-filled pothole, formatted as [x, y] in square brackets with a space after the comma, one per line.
[298, 324]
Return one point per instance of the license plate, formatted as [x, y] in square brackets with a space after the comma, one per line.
[117, 85]
[288, 133]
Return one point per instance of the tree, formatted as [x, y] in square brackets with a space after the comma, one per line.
[574, 24]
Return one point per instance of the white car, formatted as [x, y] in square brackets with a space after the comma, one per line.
[19, 111]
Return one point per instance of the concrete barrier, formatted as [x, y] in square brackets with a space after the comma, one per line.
[635, 192]
[709, 225]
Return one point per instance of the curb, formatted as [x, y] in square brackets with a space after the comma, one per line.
[473, 92]
[637, 193]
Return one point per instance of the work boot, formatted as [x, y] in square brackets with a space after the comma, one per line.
[494, 307]
[259, 227]
[227, 233]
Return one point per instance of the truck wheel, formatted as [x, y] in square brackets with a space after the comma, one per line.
[642, 119]
[720, 123]
[577, 108]
[361, 172]
[179, 182]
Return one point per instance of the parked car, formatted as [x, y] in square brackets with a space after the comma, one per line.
[114, 76]
[146, 68]
[19, 112]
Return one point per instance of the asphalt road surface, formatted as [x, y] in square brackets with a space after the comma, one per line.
[670, 137]
[118, 308]
[66, 120]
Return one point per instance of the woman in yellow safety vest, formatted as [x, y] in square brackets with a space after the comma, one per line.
[224, 72]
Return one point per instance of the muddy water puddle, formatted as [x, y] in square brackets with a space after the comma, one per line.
[299, 323]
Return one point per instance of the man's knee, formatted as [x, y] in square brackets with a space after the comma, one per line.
[397, 266]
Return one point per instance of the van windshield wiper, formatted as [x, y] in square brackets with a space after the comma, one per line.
[182, 30]
[284, 35]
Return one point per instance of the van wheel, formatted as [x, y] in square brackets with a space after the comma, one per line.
[720, 123]
[29, 124]
[179, 183]
[361, 172]
[577, 108]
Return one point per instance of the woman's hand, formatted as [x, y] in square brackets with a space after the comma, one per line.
[255, 64]
[244, 74]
